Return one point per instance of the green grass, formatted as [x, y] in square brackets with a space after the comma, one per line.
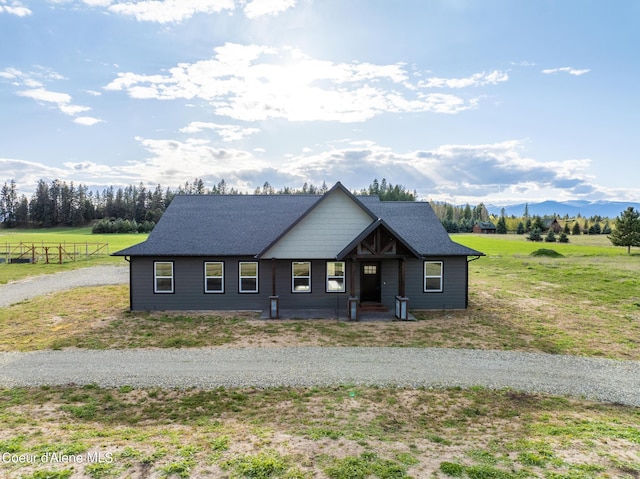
[267, 433]
[116, 242]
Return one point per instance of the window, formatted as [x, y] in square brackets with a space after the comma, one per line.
[301, 277]
[214, 277]
[335, 277]
[433, 276]
[370, 269]
[163, 277]
[248, 277]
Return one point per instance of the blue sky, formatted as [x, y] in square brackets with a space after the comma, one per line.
[464, 101]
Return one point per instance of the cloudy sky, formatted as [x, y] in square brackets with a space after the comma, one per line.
[499, 101]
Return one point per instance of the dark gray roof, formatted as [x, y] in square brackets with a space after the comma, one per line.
[418, 225]
[486, 225]
[244, 225]
[221, 225]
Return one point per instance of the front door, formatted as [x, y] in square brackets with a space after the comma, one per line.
[370, 282]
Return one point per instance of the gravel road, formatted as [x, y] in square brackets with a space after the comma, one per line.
[591, 378]
[27, 288]
[597, 379]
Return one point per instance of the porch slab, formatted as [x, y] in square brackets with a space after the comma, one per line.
[340, 315]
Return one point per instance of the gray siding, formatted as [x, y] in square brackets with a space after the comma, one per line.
[454, 293]
[189, 285]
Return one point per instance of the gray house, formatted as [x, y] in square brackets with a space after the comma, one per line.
[285, 252]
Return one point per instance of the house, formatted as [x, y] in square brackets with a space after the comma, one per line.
[484, 227]
[552, 224]
[289, 252]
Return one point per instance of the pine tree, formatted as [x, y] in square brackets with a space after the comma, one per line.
[627, 229]
[501, 227]
[576, 228]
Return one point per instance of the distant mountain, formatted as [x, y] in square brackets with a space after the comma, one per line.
[606, 209]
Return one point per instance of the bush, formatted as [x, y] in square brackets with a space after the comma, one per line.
[107, 226]
[549, 253]
[535, 235]
[551, 237]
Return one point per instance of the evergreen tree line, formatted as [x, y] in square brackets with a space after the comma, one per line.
[460, 219]
[132, 208]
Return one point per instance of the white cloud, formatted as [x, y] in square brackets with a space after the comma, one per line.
[61, 100]
[176, 11]
[168, 11]
[569, 70]
[258, 8]
[253, 83]
[40, 94]
[226, 132]
[11, 74]
[36, 91]
[454, 173]
[475, 80]
[27, 173]
[14, 8]
[86, 120]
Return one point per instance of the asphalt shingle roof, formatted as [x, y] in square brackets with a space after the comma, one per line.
[239, 225]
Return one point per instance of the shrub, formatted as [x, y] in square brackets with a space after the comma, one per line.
[549, 253]
[535, 235]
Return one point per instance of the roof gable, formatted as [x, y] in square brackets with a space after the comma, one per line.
[323, 230]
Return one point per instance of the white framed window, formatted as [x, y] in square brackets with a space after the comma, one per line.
[163, 276]
[335, 277]
[248, 277]
[214, 277]
[301, 277]
[433, 273]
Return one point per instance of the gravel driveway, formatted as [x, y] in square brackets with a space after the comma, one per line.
[597, 379]
[27, 288]
[592, 378]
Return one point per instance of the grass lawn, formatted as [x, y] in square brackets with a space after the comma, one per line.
[344, 432]
[586, 302]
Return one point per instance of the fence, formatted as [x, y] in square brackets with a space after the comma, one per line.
[50, 252]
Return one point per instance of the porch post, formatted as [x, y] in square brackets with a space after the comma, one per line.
[401, 279]
[273, 276]
[402, 302]
[352, 301]
[352, 278]
[274, 299]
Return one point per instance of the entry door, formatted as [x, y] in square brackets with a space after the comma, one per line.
[370, 282]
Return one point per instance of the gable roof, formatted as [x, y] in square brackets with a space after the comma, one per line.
[248, 225]
[370, 229]
[487, 225]
[337, 189]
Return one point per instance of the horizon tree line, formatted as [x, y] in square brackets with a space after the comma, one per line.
[59, 203]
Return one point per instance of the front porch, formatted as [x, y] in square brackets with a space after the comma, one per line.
[338, 315]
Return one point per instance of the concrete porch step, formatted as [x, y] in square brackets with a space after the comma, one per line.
[373, 307]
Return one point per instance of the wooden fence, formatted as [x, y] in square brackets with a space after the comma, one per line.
[50, 252]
